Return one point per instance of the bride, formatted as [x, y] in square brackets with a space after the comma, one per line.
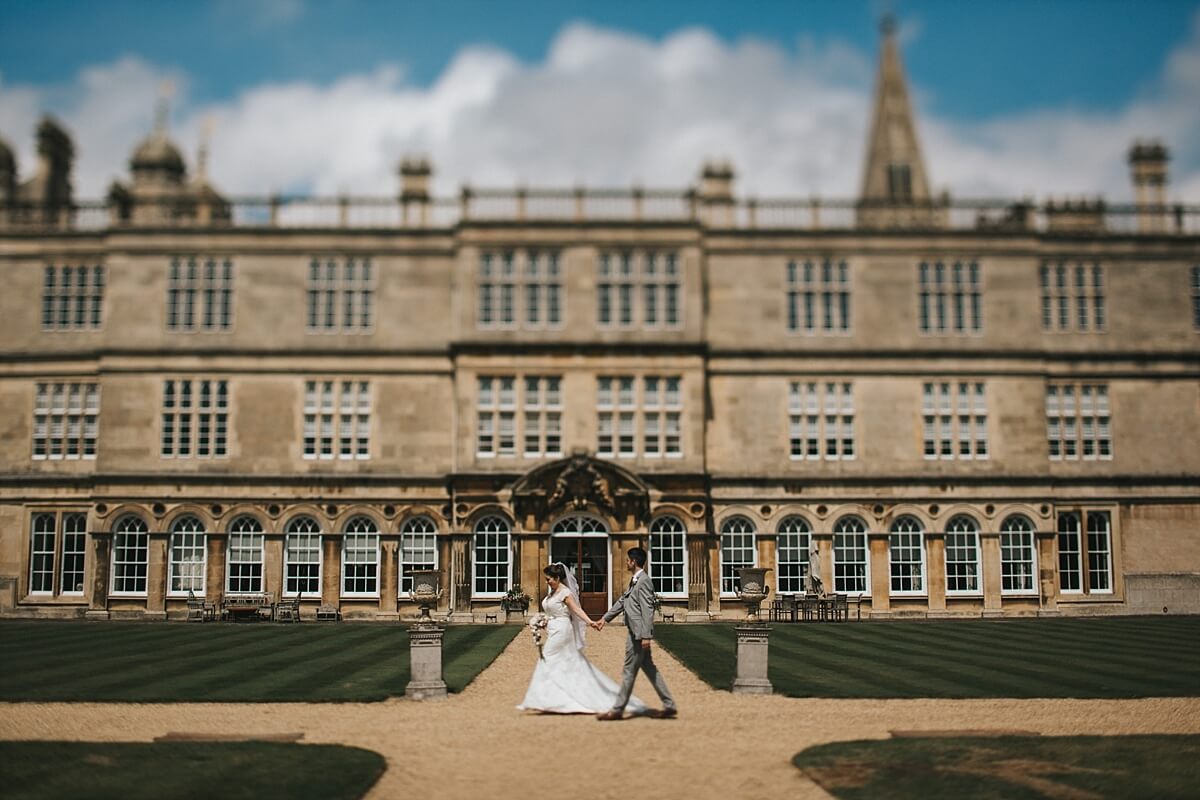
[564, 681]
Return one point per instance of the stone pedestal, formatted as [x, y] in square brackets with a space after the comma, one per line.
[425, 652]
[751, 677]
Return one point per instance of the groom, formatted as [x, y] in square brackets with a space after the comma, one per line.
[638, 606]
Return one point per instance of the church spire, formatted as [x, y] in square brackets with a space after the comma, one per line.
[895, 171]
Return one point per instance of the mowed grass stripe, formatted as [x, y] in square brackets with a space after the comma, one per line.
[1124, 657]
[466, 649]
[303, 660]
[167, 662]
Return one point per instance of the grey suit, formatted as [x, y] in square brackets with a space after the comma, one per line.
[637, 603]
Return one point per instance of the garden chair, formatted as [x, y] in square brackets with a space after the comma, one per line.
[288, 610]
[197, 609]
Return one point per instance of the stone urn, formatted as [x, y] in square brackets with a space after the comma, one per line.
[753, 590]
[426, 591]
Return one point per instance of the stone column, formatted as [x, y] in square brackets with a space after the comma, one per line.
[752, 644]
[1047, 545]
[698, 582]
[331, 571]
[989, 545]
[273, 578]
[460, 573]
[935, 560]
[101, 545]
[214, 581]
[156, 576]
[881, 574]
[425, 653]
[389, 579]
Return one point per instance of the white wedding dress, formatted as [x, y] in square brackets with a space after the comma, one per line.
[564, 681]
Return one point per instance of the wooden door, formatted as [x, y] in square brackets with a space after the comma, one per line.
[587, 558]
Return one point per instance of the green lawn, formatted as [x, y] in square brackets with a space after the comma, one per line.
[1109, 657]
[157, 662]
[181, 770]
[1007, 767]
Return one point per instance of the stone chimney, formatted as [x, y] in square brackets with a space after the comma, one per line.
[716, 193]
[48, 192]
[1148, 165]
[415, 175]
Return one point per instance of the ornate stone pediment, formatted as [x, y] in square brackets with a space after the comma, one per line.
[581, 483]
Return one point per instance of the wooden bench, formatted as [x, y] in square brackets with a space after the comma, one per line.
[328, 613]
[490, 618]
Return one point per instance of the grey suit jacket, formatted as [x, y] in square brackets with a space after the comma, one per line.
[637, 603]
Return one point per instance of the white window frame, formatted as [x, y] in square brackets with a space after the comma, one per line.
[949, 299]
[848, 527]
[195, 416]
[340, 295]
[963, 525]
[1064, 533]
[245, 527]
[71, 519]
[205, 284]
[66, 421]
[130, 525]
[491, 525]
[821, 420]
[1093, 551]
[797, 528]
[519, 282]
[1073, 299]
[42, 561]
[362, 528]
[1078, 422]
[187, 528]
[954, 420]
[305, 527]
[72, 297]
[631, 282]
[736, 531]
[820, 295]
[899, 537]
[663, 527]
[1020, 533]
[419, 529]
[337, 418]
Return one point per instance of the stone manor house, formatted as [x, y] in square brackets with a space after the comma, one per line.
[945, 407]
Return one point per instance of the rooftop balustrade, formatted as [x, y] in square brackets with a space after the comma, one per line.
[609, 206]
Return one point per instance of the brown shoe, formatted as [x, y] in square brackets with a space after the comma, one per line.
[666, 713]
[609, 715]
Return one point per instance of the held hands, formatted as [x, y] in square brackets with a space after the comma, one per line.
[597, 625]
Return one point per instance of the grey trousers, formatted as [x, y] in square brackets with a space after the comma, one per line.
[639, 658]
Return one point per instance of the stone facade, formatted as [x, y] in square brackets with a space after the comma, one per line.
[773, 399]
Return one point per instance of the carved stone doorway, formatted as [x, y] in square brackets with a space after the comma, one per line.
[581, 542]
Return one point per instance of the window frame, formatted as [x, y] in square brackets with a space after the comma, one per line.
[976, 563]
[369, 536]
[405, 566]
[291, 530]
[1008, 528]
[476, 532]
[176, 530]
[127, 520]
[840, 530]
[729, 576]
[793, 525]
[657, 528]
[915, 529]
[248, 526]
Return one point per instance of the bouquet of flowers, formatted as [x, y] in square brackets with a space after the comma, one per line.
[537, 627]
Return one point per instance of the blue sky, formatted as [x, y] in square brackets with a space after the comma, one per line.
[979, 71]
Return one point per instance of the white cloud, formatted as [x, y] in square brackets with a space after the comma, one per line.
[610, 108]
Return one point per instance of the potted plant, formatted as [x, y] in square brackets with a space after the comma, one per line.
[515, 601]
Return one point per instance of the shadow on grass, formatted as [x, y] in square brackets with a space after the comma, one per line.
[152, 771]
[154, 662]
[1068, 767]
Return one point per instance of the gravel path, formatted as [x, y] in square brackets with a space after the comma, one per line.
[477, 745]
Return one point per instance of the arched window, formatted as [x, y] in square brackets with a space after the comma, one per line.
[244, 567]
[418, 550]
[131, 547]
[188, 556]
[668, 556]
[579, 526]
[492, 564]
[792, 558]
[906, 557]
[850, 565]
[302, 558]
[737, 550]
[360, 558]
[1017, 556]
[962, 556]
